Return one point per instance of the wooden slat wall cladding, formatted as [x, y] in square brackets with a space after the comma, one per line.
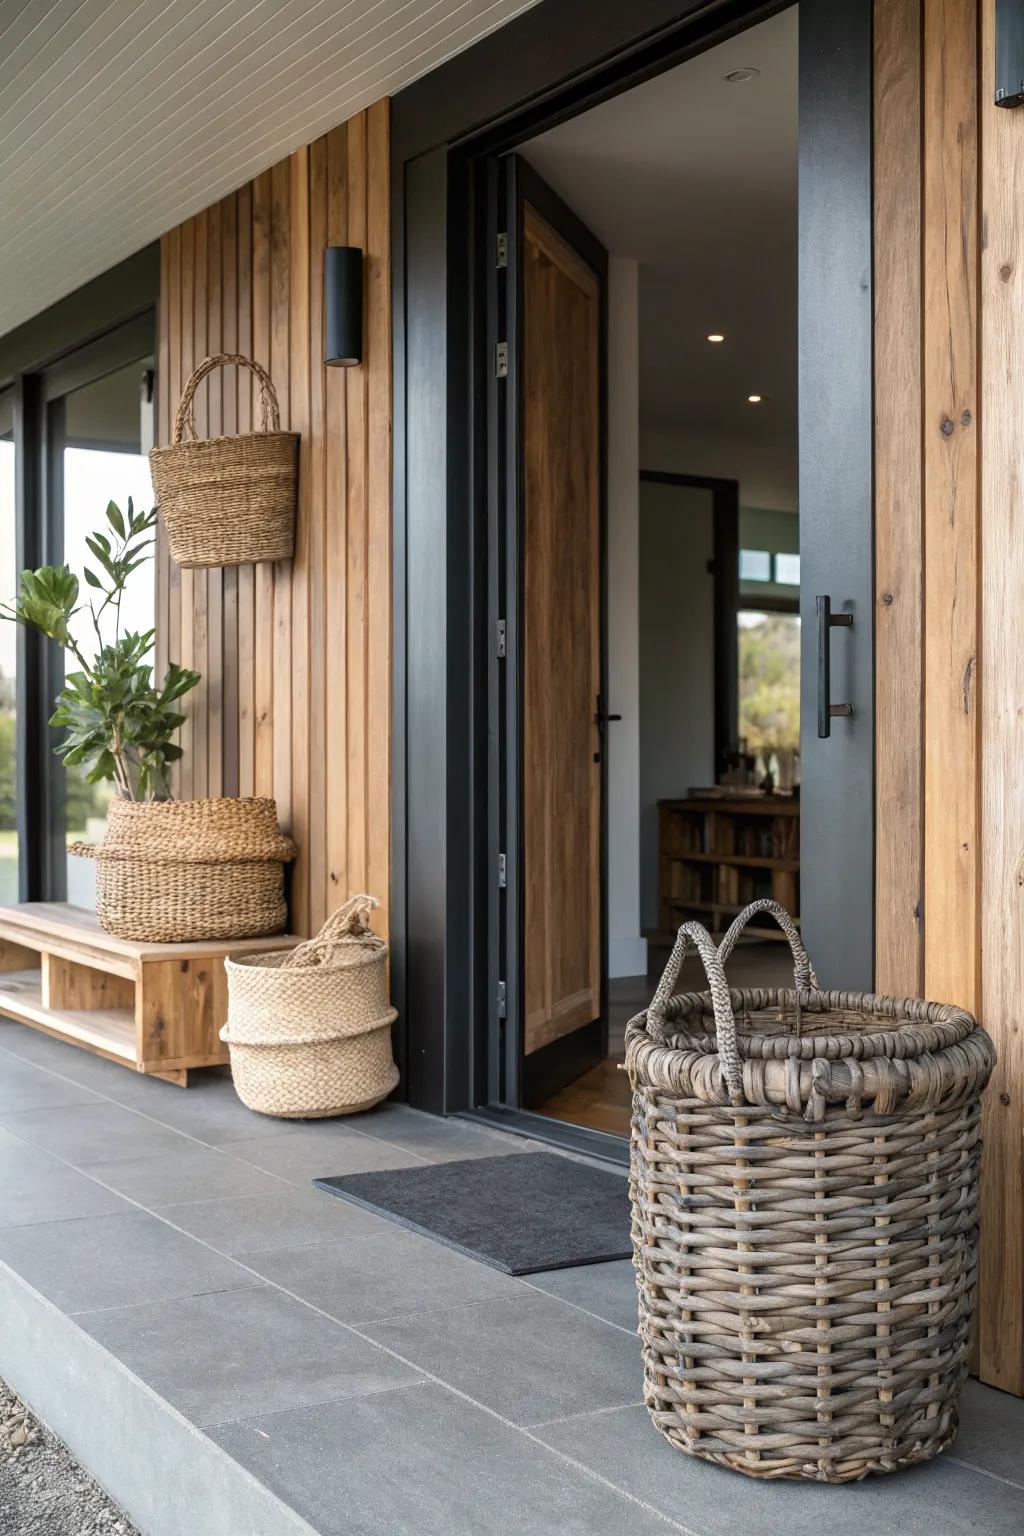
[949, 444]
[296, 657]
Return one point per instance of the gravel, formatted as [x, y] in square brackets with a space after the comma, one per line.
[43, 1490]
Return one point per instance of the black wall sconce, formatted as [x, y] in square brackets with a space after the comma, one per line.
[343, 306]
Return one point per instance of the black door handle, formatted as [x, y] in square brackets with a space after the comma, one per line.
[827, 711]
[601, 717]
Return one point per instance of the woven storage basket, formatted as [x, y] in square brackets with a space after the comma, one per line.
[309, 1030]
[178, 871]
[804, 1179]
[228, 500]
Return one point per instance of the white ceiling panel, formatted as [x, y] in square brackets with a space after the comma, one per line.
[120, 118]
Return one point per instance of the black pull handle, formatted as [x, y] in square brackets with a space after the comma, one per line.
[827, 711]
[601, 717]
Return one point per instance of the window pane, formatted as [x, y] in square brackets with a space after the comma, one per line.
[755, 565]
[787, 570]
[8, 660]
[103, 461]
[769, 646]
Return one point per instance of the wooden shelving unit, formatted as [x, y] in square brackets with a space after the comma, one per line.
[715, 856]
[157, 1008]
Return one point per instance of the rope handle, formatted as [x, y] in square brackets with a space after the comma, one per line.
[725, 1023]
[350, 924]
[270, 414]
[803, 971]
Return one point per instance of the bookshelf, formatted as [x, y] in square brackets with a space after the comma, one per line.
[716, 855]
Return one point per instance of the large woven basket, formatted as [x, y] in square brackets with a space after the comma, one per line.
[177, 871]
[228, 500]
[804, 1179]
[309, 1030]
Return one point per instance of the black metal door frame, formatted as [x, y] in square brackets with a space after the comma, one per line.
[554, 61]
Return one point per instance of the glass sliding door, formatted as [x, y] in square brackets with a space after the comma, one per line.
[8, 661]
[98, 455]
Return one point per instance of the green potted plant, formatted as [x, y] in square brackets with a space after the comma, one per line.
[167, 870]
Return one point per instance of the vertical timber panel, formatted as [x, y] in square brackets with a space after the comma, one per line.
[357, 530]
[280, 372]
[246, 573]
[316, 480]
[378, 510]
[950, 349]
[162, 608]
[337, 525]
[214, 384]
[1001, 1311]
[187, 636]
[200, 615]
[170, 282]
[296, 658]
[299, 573]
[264, 574]
[229, 342]
[899, 551]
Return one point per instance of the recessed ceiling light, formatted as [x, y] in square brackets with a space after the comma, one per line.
[716, 336]
[755, 399]
[740, 76]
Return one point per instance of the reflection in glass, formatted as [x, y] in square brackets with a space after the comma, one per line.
[769, 654]
[8, 661]
[103, 460]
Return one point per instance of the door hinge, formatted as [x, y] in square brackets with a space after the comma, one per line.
[500, 646]
[501, 1000]
[501, 360]
[502, 872]
[501, 259]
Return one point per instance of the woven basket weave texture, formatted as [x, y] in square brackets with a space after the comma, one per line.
[228, 500]
[804, 1181]
[309, 1030]
[181, 871]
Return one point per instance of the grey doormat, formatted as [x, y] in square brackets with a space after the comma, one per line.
[522, 1213]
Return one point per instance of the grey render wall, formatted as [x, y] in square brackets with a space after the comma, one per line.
[677, 713]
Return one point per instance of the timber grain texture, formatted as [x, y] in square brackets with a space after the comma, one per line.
[296, 657]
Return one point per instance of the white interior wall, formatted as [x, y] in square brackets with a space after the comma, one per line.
[627, 949]
[677, 683]
[765, 469]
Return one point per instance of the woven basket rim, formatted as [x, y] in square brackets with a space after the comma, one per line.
[272, 961]
[192, 444]
[908, 1026]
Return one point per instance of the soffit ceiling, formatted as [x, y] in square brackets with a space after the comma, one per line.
[696, 178]
[121, 118]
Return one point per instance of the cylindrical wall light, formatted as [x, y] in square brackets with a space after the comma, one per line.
[343, 305]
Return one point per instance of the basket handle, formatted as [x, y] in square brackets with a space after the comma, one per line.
[270, 414]
[349, 924]
[725, 1023]
[803, 971]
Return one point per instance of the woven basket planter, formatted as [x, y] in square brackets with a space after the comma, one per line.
[804, 1179]
[180, 871]
[228, 500]
[309, 1030]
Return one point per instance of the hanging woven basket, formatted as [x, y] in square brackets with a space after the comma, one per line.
[804, 1179]
[182, 871]
[228, 500]
[309, 1029]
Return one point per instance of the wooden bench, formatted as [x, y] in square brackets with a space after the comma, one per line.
[156, 1007]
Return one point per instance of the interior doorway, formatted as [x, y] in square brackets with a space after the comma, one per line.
[459, 872]
[651, 537]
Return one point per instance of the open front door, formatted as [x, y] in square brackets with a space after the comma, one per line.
[554, 932]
